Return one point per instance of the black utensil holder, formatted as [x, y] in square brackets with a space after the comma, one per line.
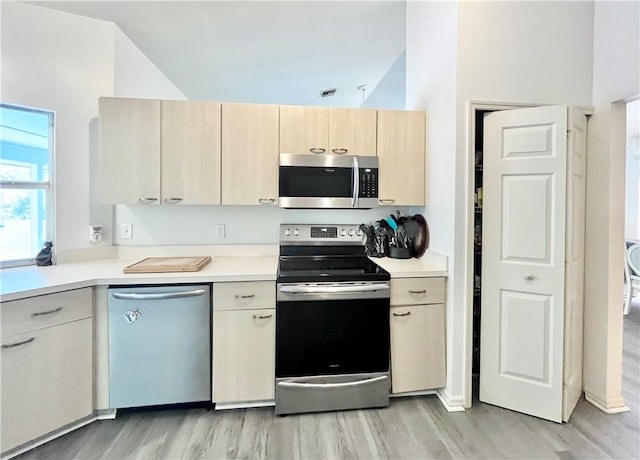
[399, 253]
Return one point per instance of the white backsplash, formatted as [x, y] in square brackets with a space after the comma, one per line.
[175, 225]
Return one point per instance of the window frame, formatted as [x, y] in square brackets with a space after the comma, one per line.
[48, 186]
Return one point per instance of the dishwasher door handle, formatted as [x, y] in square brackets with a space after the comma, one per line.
[159, 296]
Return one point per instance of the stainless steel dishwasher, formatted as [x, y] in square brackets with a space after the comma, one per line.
[159, 345]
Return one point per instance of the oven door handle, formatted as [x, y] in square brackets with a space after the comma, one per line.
[333, 289]
[333, 385]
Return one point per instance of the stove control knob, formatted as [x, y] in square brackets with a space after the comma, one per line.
[287, 232]
[358, 232]
[296, 232]
[343, 232]
[351, 232]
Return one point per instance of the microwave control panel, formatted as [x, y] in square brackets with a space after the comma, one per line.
[368, 183]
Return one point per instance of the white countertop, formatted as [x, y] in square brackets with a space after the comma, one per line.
[21, 282]
[30, 281]
[426, 266]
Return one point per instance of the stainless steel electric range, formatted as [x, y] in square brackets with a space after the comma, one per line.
[332, 321]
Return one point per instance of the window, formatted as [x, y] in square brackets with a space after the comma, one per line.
[26, 190]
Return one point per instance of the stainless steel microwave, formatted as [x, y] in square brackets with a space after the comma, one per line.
[328, 181]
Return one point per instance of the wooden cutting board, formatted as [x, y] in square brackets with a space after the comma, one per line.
[168, 264]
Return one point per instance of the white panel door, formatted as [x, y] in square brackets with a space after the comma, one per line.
[574, 257]
[521, 362]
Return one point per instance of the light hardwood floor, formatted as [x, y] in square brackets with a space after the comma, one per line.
[410, 428]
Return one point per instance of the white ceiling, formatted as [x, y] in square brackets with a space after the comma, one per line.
[283, 52]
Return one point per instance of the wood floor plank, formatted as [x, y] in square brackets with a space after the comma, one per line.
[410, 428]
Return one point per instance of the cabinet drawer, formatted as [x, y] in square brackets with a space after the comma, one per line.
[417, 291]
[34, 313]
[244, 295]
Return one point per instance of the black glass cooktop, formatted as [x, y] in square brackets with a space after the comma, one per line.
[302, 269]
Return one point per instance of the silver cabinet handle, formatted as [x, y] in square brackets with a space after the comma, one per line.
[424, 291]
[17, 344]
[402, 314]
[317, 150]
[529, 277]
[266, 200]
[387, 201]
[262, 316]
[340, 151]
[147, 200]
[42, 313]
[160, 296]
[332, 385]
[247, 296]
[172, 200]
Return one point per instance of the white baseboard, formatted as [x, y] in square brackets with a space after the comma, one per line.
[450, 404]
[244, 405]
[413, 393]
[106, 414]
[46, 438]
[615, 406]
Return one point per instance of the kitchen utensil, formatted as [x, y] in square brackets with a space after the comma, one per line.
[392, 223]
[395, 219]
[421, 240]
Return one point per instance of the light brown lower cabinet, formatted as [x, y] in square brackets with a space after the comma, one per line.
[47, 365]
[417, 335]
[244, 341]
[243, 355]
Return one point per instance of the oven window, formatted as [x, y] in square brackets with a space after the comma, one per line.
[310, 182]
[326, 337]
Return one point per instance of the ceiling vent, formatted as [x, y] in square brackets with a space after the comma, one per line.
[328, 92]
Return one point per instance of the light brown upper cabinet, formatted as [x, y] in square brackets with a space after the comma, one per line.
[323, 130]
[154, 152]
[129, 138]
[249, 154]
[402, 157]
[190, 152]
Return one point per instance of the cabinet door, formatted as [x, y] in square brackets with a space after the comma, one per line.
[190, 152]
[129, 139]
[352, 131]
[243, 355]
[47, 381]
[250, 154]
[402, 157]
[304, 129]
[417, 348]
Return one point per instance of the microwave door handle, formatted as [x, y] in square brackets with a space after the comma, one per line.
[356, 182]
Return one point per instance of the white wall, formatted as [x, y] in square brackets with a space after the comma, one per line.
[390, 91]
[431, 85]
[136, 76]
[616, 75]
[60, 62]
[527, 52]
[64, 62]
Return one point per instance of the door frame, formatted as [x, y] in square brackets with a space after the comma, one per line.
[473, 106]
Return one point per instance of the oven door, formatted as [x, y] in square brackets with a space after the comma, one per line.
[332, 346]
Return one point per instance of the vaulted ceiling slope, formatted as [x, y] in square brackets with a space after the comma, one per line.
[278, 52]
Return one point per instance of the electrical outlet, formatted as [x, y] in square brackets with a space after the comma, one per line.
[221, 231]
[126, 231]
